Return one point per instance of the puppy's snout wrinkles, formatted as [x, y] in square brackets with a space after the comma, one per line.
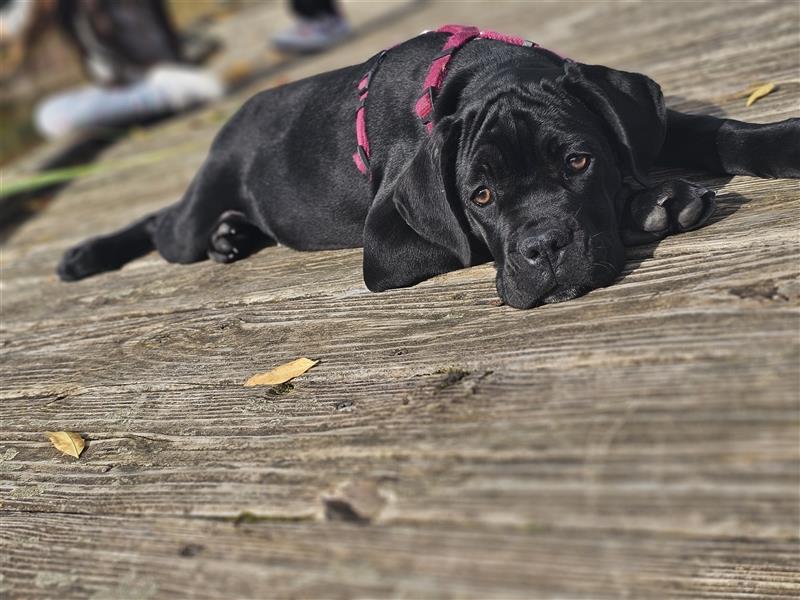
[544, 245]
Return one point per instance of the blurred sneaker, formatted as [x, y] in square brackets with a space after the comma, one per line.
[166, 90]
[181, 87]
[313, 35]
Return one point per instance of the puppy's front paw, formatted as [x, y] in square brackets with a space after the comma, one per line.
[672, 207]
[234, 238]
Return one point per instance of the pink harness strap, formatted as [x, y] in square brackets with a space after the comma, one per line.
[459, 35]
[361, 156]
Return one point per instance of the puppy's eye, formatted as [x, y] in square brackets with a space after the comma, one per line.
[482, 196]
[578, 162]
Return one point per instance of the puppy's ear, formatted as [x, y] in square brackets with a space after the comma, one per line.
[415, 228]
[630, 104]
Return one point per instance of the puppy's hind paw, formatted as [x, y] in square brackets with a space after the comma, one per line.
[234, 237]
[673, 207]
[78, 262]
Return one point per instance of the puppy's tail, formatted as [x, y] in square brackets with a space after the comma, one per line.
[108, 252]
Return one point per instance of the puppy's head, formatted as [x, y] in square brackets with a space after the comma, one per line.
[528, 169]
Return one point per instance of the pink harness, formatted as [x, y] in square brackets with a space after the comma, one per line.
[459, 36]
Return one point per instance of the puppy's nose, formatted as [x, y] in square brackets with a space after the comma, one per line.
[544, 244]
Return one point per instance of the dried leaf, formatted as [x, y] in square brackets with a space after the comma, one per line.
[760, 92]
[283, 373]
[67, 442]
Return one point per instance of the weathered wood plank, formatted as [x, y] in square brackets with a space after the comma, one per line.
[640, 441]
[341, 561]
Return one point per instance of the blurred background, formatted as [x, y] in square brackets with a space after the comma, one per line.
[41, 53]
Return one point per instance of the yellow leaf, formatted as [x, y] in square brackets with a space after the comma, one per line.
[67, 442]
[283, 373]
[760, 92]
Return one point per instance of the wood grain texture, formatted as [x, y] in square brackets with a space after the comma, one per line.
[641, 441]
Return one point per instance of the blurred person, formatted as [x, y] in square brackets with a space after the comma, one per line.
[21, 22]
[319, 26]
[133, 55]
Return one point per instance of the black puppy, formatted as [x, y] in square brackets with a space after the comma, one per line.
[473, 146]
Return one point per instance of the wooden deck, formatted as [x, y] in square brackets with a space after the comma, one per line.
[641, 441]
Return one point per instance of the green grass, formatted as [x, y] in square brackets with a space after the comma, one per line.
[45, 179]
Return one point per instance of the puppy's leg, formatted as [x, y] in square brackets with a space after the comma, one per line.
[155, 231]
[179, 232]
[234, 237]
[185, 232]
[732, 147]
[108, 252]
[175, 231]
[672, 207]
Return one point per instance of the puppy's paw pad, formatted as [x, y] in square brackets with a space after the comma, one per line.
[694, 208]
[673, 207]
[233, 238]
[651, 217]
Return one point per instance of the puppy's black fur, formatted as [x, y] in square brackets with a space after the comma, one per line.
[511, 123]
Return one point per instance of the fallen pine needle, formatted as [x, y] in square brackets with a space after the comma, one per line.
[283, 373]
